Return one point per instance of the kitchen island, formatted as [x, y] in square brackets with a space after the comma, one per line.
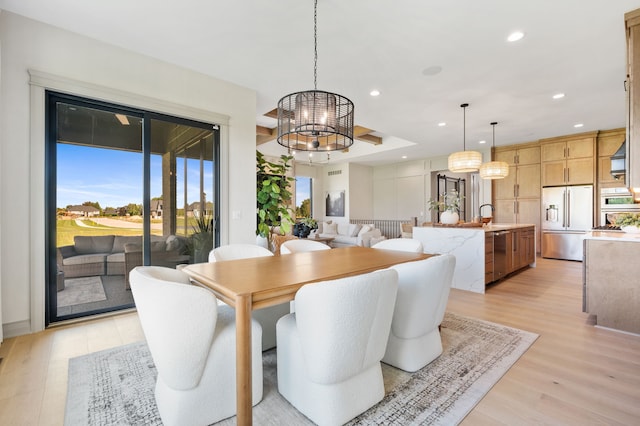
[483, 254]
[611, 279]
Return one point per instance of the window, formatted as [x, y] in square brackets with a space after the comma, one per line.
[125, 188]
[304, 206]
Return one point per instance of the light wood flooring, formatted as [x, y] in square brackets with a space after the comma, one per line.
[574, 374]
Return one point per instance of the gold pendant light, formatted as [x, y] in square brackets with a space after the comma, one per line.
[315, 120]
[494, 169]
[464, 161]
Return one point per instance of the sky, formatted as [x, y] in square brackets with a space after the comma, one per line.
[114, 178]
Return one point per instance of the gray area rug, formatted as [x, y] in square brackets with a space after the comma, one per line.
[116, 386]
[81, 290]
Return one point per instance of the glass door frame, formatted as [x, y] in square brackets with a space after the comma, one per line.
[50, 168]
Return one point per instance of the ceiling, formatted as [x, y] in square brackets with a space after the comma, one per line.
[425, 57]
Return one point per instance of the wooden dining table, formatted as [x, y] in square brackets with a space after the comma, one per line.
[255, 283]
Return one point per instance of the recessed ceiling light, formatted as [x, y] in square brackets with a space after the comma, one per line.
[558, 96]
[515, 36]
[374, 93]
[578, 125]
[404, 156]
[482, 141]
[442, 124]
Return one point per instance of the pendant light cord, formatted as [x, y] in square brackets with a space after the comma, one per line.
[464, 126]
[315, 45]
[494, 133]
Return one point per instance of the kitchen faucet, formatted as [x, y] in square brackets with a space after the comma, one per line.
[480, 209]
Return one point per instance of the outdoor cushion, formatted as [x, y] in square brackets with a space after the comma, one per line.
[85, 258]
[95, 244]
[120, 240]
[115, 257]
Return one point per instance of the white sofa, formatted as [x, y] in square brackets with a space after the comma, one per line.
[348, 234]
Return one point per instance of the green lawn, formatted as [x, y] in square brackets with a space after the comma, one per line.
[67, 229]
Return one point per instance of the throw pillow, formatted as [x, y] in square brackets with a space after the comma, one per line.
[330, 228]
[354, 228]
[365, 228]
[158, 246]
[172, 243]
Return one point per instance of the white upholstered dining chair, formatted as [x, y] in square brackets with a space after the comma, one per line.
[193, 344]
[400, 244]
[423, 292]
[267, 317]
[329, 351]
[302, 245]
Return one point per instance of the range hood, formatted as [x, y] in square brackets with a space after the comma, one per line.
[618, 168]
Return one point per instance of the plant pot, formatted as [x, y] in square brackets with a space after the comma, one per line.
[449, 218]
[301, 230]
[202, 245]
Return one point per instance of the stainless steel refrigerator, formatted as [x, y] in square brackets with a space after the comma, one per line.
[567, 214]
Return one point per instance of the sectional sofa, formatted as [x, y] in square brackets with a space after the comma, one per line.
[348, 234]
[116, 254]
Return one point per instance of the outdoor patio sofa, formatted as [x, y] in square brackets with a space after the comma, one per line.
[116, 254]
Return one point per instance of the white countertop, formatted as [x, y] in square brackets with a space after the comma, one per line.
[495, 227]
[612, 236]
[492, 227]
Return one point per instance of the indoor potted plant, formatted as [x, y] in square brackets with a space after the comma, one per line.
[273, 196]
[202, 238]
[304, 227]
[629, 222]
[448, 206]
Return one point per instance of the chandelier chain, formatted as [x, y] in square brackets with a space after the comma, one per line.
[315, 45]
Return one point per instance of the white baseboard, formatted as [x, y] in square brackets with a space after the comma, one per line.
[15, 329]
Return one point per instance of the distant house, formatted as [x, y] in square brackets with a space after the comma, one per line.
[156, 208]
[85, 211]
[110, 211]
[194, 209]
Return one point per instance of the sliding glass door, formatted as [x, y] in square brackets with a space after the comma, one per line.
[125, 188]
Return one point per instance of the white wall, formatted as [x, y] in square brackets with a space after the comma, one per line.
[119, 76]
[401, 190]
[336, 178]
[360, 192]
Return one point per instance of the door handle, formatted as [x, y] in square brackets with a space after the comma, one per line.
[568, 208]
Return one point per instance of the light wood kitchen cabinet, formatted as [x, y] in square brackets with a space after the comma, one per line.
[568, 160]
[523, 248]
[608, 143]
[522, 211]
[518, 156]
[516, 198]
[488, 257]
[507, 251]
